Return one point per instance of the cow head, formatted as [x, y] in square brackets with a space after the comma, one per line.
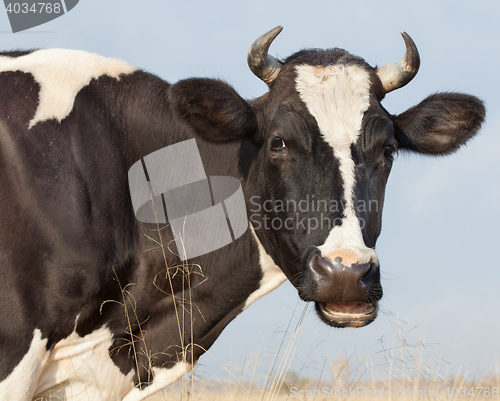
[322, 148]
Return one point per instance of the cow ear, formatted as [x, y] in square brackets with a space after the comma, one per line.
[440, 124]
[213, 109]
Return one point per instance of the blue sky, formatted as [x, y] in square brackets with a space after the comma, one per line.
[439, 243]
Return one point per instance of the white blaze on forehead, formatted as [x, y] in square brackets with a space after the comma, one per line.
[61, 74]
[337, 97]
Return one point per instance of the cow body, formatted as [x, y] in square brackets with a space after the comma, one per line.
[95, 304]
[87, 269]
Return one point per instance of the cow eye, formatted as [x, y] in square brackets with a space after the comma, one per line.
[390, 150]
[277, 143]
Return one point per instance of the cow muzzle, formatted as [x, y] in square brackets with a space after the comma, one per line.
[346, 296]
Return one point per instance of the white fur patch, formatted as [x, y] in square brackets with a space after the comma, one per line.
[79, 368]
[61, 74]
[162, 379]
[20, 385]
[272, 275]
[337, 97]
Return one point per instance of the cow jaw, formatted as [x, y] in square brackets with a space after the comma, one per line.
[351, 314]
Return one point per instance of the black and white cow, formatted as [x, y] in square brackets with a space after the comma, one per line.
[95, 304]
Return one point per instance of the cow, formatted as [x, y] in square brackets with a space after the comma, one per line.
[96, 304]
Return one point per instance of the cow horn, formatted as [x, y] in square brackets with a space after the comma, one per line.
[397, 75]
[263, 65]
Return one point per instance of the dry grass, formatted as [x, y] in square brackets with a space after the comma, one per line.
[400, 371]
[457, 388]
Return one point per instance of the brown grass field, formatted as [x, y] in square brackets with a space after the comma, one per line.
[308, 390]
[402, 371]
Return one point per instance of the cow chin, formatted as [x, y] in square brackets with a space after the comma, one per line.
[353, 314]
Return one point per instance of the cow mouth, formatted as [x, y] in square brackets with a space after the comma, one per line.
[348, 314]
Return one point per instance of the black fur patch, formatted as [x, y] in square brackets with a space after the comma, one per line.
[440, 124]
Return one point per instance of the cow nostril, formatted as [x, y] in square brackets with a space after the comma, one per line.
[369, 276]
[325, 265]
[359, 271]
